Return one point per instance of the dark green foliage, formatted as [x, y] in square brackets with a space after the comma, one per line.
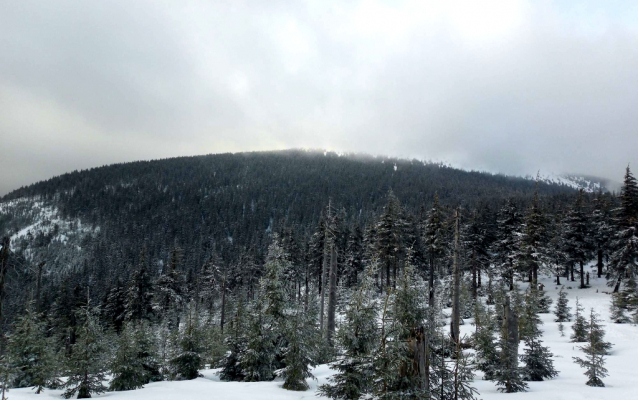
[230, 368]
[397, 370]
[509, 376]
[127, 367]
[30, 352]
[487, 357]
[580, 326]
[139, 293]
[596, 335]
[577, 240]
[594, 361]
[358, 337]
[299, 354]
[505, 247]
[537, 358]
[188, 359]
[89, 357]
[562, 307]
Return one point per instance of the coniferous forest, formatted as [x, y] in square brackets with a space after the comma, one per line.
[263, 266]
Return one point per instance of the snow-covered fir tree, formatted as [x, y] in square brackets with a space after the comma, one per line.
[487, 358]
[509, 376]
[577, 237]
[594, 361]
[580, 326]
[505, 247]
[230, 367]
[358, 336]
[169, 297]
[562, 307]
[299, 355]
[537, 358]
[596, 334]
[126, 366]
[89, 357]
[31, 357]
[188, 359]
[265, 337]
[139, 293]
[624, 259]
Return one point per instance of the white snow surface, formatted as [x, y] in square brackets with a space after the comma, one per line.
[572, 181]
[622, 382]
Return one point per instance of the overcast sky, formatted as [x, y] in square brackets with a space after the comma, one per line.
[508, 86]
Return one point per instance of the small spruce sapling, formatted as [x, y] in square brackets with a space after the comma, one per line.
[562, 307]
[594, 361]
[580, 327]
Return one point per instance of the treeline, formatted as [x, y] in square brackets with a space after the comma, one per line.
[369, 297]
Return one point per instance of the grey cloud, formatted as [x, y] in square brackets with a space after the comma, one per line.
[514, 88]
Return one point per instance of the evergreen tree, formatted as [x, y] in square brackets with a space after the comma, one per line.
[463, 375]
[30, 354]
[562, 307]
[257, 361]
[354, 264]
[265, 334]
[147, 353]
[299, 354]
[434, 243]
[509, 375]
[624, 258]
[596, 335]
[169, 297]
[399, 365]
[537, 358]
[358, 338]
[231, 368]
[577, 236]
[114, 310]
[126, 367]
[618, 309]
[505, 247]
[602, 229]
[188, 360]
[139, 293]
[88, 358]
[390, 230]
[532, 241]
[594, 361]
[487, 358]
[580, 326]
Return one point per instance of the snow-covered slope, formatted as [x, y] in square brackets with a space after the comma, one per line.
[589, 184]
[38, 229]
[569, 385]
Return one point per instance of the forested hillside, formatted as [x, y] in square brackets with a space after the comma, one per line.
[92, 225]
[265, 264]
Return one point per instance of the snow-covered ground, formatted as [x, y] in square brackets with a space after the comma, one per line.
[570, 384]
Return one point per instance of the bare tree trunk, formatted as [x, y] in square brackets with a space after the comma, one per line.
[582, 275]
[419, 360]
[324, 269]
[222, 317]
[306, 293]
[431, 283]
[510, 326]
[571, 268]
[456, 307]
[600, 263]
[511, 274]
[332, 295]
[38, 285]
[474, 278]
[4, 267]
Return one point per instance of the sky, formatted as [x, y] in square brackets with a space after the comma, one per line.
[509, 86]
